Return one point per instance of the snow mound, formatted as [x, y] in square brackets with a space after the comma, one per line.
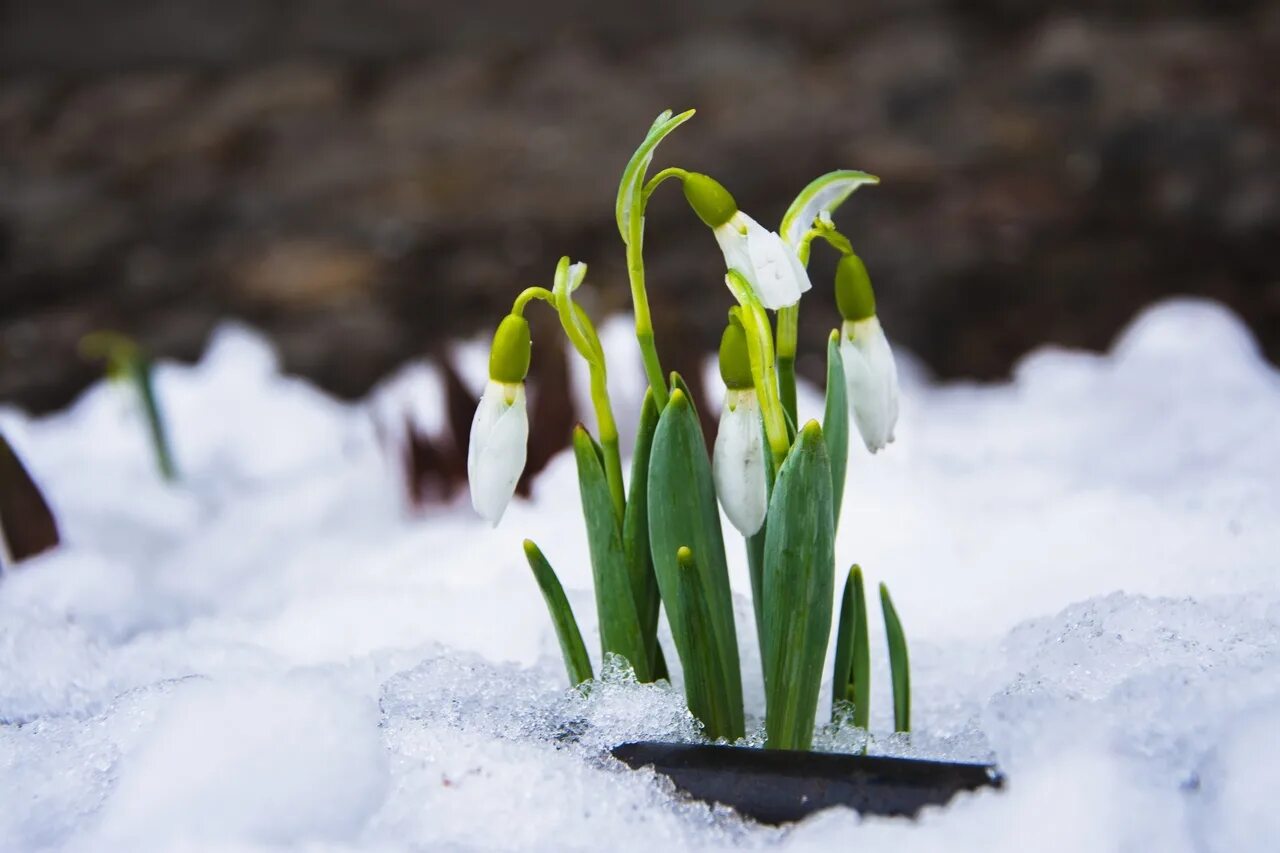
[276, 654]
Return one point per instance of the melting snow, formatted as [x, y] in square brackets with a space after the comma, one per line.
[275, 654]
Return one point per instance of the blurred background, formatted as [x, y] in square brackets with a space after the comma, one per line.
[361, 178]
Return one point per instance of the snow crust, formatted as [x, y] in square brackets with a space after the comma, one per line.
[275, 654]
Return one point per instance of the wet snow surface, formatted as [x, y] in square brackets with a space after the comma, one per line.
[275, 654]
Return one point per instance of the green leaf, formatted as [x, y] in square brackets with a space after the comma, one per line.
[700, 666]
[825, 193]
[635, 536]
[571, 646]
[619, 621]
[899, 665]
[835, 423]
[683, 513]
[755, 557]
[633, 177]
[799, 568]
[851, 680]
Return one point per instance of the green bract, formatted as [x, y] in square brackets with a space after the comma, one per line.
[655, 541]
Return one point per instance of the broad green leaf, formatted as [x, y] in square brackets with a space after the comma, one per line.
[571, 646]
[635, 535]
[683, 513]
[851, 680]
[620, 631]
[825, 193]
[799, 569]
[835, 423]
[633, 176]
[899, 665]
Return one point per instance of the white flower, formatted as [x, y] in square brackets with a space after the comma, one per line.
[872, 378]
[498, 447]
[738, 462]
[769, 265]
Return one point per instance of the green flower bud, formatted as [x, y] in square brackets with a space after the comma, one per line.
[709, 199]
[854, 296]
[735, 364]
[512, 349]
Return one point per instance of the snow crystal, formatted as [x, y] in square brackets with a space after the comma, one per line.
[273, 652]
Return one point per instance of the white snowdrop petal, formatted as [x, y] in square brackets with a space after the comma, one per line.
[498, 449]
[872, 379]
[738, 463]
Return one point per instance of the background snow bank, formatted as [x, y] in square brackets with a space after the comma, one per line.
[275, 654]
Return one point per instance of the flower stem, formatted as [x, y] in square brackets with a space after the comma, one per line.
[656, 180]
[640, 299]
[582, 334]
[755, 322]
[788, 325]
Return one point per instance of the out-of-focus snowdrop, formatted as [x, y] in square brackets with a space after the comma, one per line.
[870, 372]
[738, 463]
[768, 264]
[500, 429]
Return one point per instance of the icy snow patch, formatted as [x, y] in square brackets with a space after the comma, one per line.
[275, 653]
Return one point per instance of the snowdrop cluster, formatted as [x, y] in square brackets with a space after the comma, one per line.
[657, 546]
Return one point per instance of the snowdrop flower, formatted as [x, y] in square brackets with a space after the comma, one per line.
[500, 429]
[869, 369]
[738, 461]
[769, 265]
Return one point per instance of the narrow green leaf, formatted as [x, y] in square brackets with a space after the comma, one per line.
[141, 371]
[825, 193]
[683, 513]
[835, 423]
[851, 680]
[799, 569]
[572, 648]
[700, 667]
[633, 175]
[755, 558]
[635, 536]
[620, 631]
[899, 665]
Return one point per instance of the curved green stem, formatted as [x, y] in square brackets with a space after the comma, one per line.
[640, 300]
[582, 334]
[656, 181]
[528, 295]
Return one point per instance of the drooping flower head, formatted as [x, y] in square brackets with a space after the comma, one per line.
[500, 429]
[738, 463]
[768, 264]
[870, 372]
